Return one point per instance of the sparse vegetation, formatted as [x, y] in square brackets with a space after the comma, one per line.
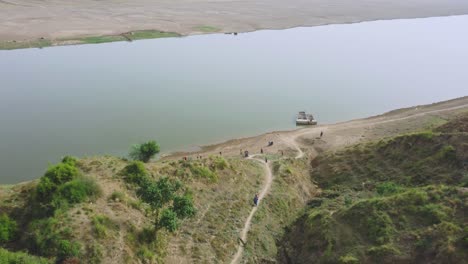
[102, 225]
[207, 29]
[386, 202]
[50, 237]
[8, 257]
[150, 34]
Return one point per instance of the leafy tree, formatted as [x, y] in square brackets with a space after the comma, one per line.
[7, 228]
[169, 220]
[183, 206]
[144, 152]
[159, 193]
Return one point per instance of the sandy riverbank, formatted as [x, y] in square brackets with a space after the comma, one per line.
[339, 135]
[57, 21]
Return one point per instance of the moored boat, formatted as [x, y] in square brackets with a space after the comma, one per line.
[305, 119]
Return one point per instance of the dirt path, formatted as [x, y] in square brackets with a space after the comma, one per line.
[290, 140]
[266, 188]
[243, 235]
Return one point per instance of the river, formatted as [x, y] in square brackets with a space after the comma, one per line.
[184, 92]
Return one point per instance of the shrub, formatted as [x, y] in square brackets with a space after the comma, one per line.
[387, 188]
[220, 163]
[47, 237]
[61, 173]
[78, 190]
[135, 173]
[169, 220]
[144, 152]
[146, 255]
[204, 172]
[94, 253]
[117, 196]
[159, 193]
[101, 224]
[8, 257]
[183, 206]
[67, 249]
[7, 228]
[448, 153]
[54, 177]
[70, 160]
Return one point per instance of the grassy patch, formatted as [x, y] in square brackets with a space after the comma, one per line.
[150, 34]
[103, 225]
[39, 43]
[207, 29]
[102, 39]
[8, 257]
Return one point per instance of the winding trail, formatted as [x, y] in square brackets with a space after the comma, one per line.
[269, 180]
[291, 141]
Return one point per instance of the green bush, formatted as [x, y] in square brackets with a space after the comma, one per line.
[144, 152]
[67, 249]
[220, 163]
[7, 228]
[448, 153]
[159, 193]
[146, 255]
[61, 173]
[8, 257]
[135, 173]
[79, 190]
[203, 172]
[70, 160]
[183, 206]
[54, 177]
[48, 237]
[169, 220]
[387, 188]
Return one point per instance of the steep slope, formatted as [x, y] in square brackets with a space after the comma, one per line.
[399, 200]
[116, 224]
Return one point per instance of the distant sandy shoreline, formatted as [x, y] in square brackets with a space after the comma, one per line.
[29, 23]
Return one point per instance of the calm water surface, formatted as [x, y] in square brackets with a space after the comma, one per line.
[100, 99]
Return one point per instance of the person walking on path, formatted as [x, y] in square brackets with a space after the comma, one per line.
[321, 133]
[266, 160]
[255, 200]
[261, 150]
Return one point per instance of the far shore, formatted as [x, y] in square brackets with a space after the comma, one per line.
[27, 24]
